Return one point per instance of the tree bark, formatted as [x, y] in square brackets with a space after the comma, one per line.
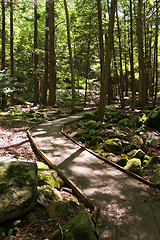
[141, 85]
[45, 79]
[35, 63]
[3, 35]
[101, 42]
[52, 54]
[87, 69]
[156, 56]
[133, 87]
[106, 72]
[11, 40]
[70, 57]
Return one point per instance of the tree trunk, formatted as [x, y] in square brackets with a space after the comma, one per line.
[3, 35]
[156, 56]
[141, 85]
[101, 43]
[121, 70]
[133, 83]
[70, 57]
[11, 40]
[52, 54]
[87, 69]
[36, 81]
[45, 80]
[106, 72]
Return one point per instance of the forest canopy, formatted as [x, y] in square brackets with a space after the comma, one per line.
[108, 46]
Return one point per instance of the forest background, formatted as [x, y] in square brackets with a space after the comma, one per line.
[49, 47]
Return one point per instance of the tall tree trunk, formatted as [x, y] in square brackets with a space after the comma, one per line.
[121, 70]
[133, 87]
[70, 57]
[101, 43]
[11, 40]
[3, 35]
[87, 69]
[156, 56]
[36, 81]
[52, 54]
[45, 79]
[106, 72]
[141, 85]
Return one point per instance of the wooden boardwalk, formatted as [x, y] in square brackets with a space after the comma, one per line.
[128, 208]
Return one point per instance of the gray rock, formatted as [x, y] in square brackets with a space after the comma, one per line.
[80, 227]
[18, 188]
[138, 154]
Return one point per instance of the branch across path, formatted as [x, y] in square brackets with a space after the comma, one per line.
[128, 209]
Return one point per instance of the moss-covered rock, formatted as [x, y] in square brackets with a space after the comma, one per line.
[153, 161]
[58, 209]
[156, 177]
[129, 148]
[95, 141]
[153, 120]
[137, 141]
[49, 192]
[138, 154]
[133, 165]
[18, 188]
[136, 122]
[80, 227]
[50, 176]
[113, 145]
[123, 160]
[91, 124]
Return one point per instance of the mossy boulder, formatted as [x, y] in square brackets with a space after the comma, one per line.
[123, 160]
[95, 141]
[129, 148]
[58, 209]
[91, 124]
[153, 120]
[97, 149]
[18, 188]
[50, 176]
[49, 192]
[80, 227]
[156, 177]
[153, 161]
[113, 145]
[136, 121]
[138, 154]
[133, 165]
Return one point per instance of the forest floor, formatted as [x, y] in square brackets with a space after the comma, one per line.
[14, 143]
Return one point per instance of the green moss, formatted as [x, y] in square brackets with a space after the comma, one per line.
[95, 141]
[123, 160]
[113, 145]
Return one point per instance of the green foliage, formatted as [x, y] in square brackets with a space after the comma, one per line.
[8, 228]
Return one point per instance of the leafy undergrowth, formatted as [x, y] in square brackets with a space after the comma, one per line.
[122, 138]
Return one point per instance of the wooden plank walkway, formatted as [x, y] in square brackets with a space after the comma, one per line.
[128, 209]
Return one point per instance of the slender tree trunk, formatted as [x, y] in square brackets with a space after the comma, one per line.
[126, 75]
[101, 43]
[87, 70]
[133, 83]
[11, 40]
[36, 81]
[121, 70]
[45, 80]
[105, 78]
[52, 54]
[141, 86]
[70, 57]
[3, 35]
[156, 56]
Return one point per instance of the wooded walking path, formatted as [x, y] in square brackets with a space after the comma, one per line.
[128, 209]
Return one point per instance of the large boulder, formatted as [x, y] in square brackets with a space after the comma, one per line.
[153, 120]
[80, 227]
[18, 188]
[133, 165]
[113, 145]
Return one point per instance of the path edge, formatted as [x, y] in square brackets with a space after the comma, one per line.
[75, 188]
